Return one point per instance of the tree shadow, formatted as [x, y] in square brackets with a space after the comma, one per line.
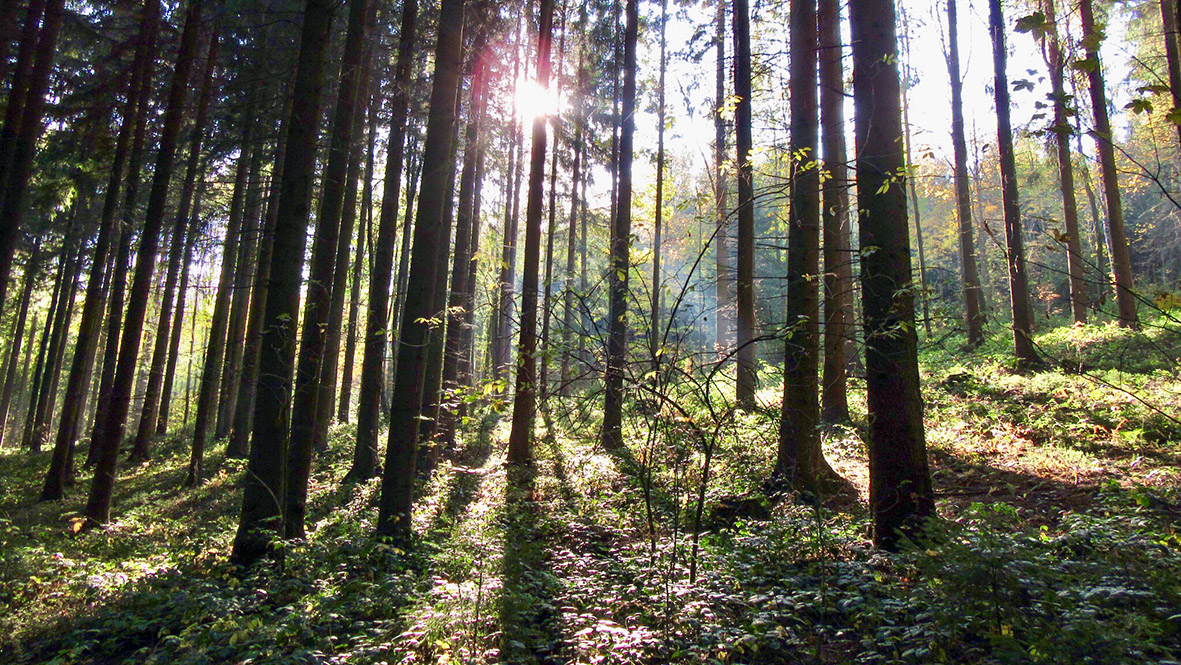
[530, 621]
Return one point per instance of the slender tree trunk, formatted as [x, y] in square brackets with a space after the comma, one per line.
[900, 486]
[262, 501]
[520, 442]
[98, 507]
[568, 314]
[215, 350]
[551, 231]
[619, 264]
[24, 377]
[1056, 65]
[32, 267]
[397, 491]
[508, 257]
[1121, 261]
[377, 334]
[747, 381]
[16, 165]
[655, 339]
[974, 316]
[1018, 281]
[194, 229]
[723, 282]
[152, 395]
[914, 193]
[838, 259]
[1168, 10]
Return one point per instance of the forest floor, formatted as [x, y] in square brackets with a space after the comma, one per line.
[1059, 496]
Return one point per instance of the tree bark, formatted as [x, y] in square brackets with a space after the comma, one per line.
[838, 258]
[899, 487]
[32, 267]
[974, 316]
[397, 491]
[619, 260]
[1018, 281]
[1121, 261]
[520, 442]
[98, 507]
[722, 319]
[747, 381]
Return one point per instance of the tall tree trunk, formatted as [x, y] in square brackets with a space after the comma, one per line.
[318, 296]
[397, 490]
[152, 395]
[1121, 261]
[838, 258]
[99, 283]
[520, 441]
[98, 507]
[32, 267]
[16, 165]
[723, 282]
[24, 376]
[910, 182]
[377, 334]
[194, 229]
[244, 269]
[458, 299]
[747, 381]
[801, 460]
[215, 350]
[1018, 282]
[551, 231]
[262, 501]
[974, 316]
[568, 314]
[619, 260]
[1168, 10]
[900, 485]
[655, 339]
[1056, 65]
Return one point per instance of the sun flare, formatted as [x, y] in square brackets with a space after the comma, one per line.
[533, 101]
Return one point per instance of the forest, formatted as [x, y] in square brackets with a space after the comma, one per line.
[539, 331]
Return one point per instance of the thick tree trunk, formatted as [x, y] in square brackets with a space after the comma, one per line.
[397, 491]
[838, 257]
[899, 487]
[1121, 261]
[377, 317]
[1168, 10]
[262, 501]
[98, 507]
[800, 461]
[974, 317]
[619, 260]
[1018, 281]
[747, 381]
[520, 442]
[152, 395]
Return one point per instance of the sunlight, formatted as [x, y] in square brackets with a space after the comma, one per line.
[533, 101]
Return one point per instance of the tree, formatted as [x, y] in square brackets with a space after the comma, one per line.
[722, 280]
[376, 318]
[520, 442]
[974, 316]
[438, 163]
[1018, 280]
[262, 498]
[838, 261]
[619, 261]
[900, 486]
[744, 282]
[1121, 261]
[98, 506]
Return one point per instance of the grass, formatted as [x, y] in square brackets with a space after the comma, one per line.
[1058, 496]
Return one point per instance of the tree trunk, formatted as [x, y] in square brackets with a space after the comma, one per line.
[262, 501]
[899, 487]
[397, 490]
[656, 336]
[32, 266]
[377, 334]
[747, 381]
[152, 395]
[1056, 65]
[974, 316]
[568, 314]
[619, 261]
[1121, 262]
[1168, 10]
[520, 442]
[1018, 282]
[98, 507]
[838, 259]
[722, 319]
